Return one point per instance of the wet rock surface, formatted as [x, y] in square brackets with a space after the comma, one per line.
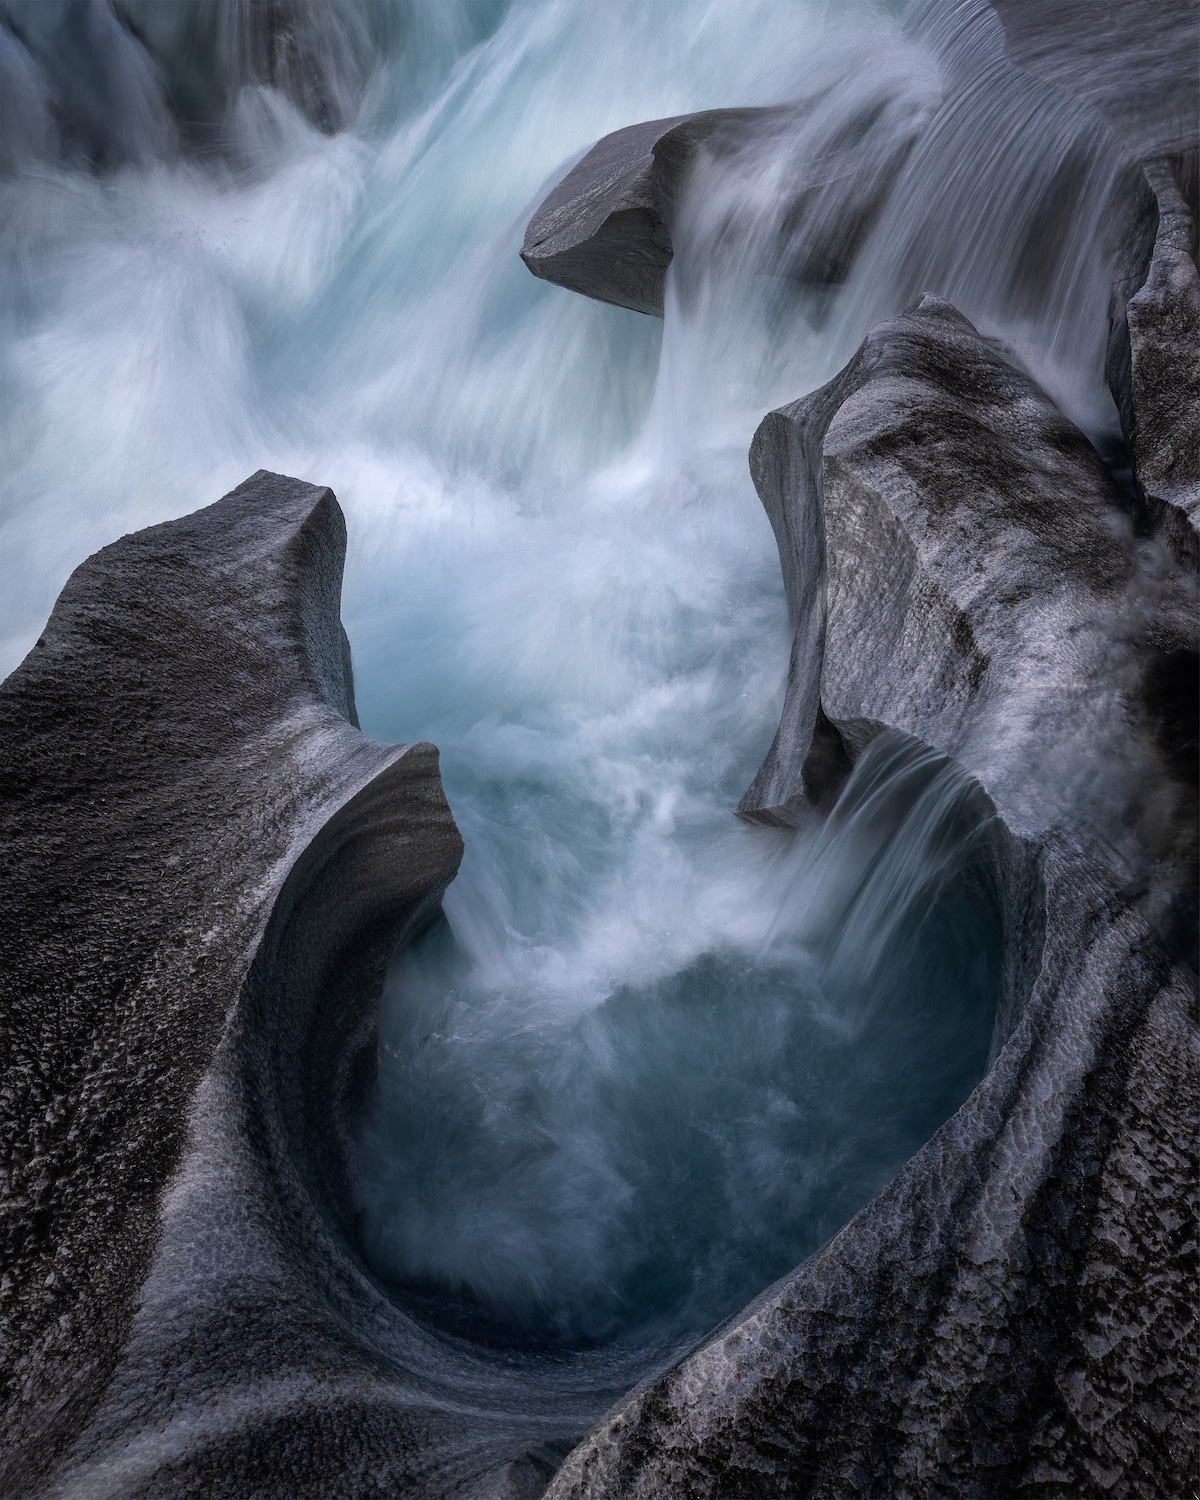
[1154, 366]
[943, 529]
[105, 86]
[1103, 52]
[606, 228]
[209, 867]
[1011, 1314]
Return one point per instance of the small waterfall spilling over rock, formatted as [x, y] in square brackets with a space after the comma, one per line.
[839, 1145]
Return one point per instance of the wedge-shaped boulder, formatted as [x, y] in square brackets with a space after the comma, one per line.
[1012, 1314]
[607, 229]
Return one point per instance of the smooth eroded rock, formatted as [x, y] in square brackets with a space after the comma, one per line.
[1013, 1313]
[1154, 364]
[608, 229]
[208, 869]
[1134, 65]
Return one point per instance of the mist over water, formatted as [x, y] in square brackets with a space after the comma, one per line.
[636, 1123]
[652, 1057]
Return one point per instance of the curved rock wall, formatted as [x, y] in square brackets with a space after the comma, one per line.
[211, 868]
[1011, 1315]
[209, 865]
[164, 749]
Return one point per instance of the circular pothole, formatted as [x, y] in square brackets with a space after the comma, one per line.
[634, 1156]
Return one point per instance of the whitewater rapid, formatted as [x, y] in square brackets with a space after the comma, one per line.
[653, 1057]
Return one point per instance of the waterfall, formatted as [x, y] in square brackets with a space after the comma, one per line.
[652, 1057]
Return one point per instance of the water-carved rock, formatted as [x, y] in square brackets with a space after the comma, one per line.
[606, 229]
[208, 867]
[1154, 364]
[1014, 1311]
[1105, 54]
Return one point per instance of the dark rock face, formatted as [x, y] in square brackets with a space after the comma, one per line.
[602, 231]
[606, 229]
[134, 80]
[208, 868]
[1154, 363]
[937, 542]
[1011, 1315]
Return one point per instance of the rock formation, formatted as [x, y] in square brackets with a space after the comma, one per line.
[134, 81]
[1013, 1313]
[211, 865]
[606, 228]
[1108, 57]
[208, 868]
[1153, 366]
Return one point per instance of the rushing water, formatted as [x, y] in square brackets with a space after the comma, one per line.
[691, 1081]
[652, 1057]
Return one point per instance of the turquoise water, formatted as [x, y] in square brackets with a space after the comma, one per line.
[652, 1057]
[625, 1112]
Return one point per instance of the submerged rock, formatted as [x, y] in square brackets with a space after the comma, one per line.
[208, 869]
[1135, 68]
[1013, 1312]
[133, 81]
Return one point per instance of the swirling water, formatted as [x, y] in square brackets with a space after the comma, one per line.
[636, 1125]
[652, 1057]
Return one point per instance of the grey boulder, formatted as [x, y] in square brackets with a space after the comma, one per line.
[609, 228]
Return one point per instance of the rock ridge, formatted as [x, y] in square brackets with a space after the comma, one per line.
[183, 770]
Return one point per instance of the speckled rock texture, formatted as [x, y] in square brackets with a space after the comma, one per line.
[1154, 363]
[1014, 1314]
[207, 868]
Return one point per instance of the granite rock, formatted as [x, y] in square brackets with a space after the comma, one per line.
[607, 229]
[1154, 365]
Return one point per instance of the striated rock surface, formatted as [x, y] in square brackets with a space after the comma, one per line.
[1154, 364]
[1125, 61]
[208, 867]
[1013, 1313]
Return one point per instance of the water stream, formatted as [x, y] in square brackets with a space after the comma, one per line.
[652, 1057]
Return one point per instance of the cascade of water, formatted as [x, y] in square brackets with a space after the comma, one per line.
[654, 1056]
[590, 1135]
[923, 161]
